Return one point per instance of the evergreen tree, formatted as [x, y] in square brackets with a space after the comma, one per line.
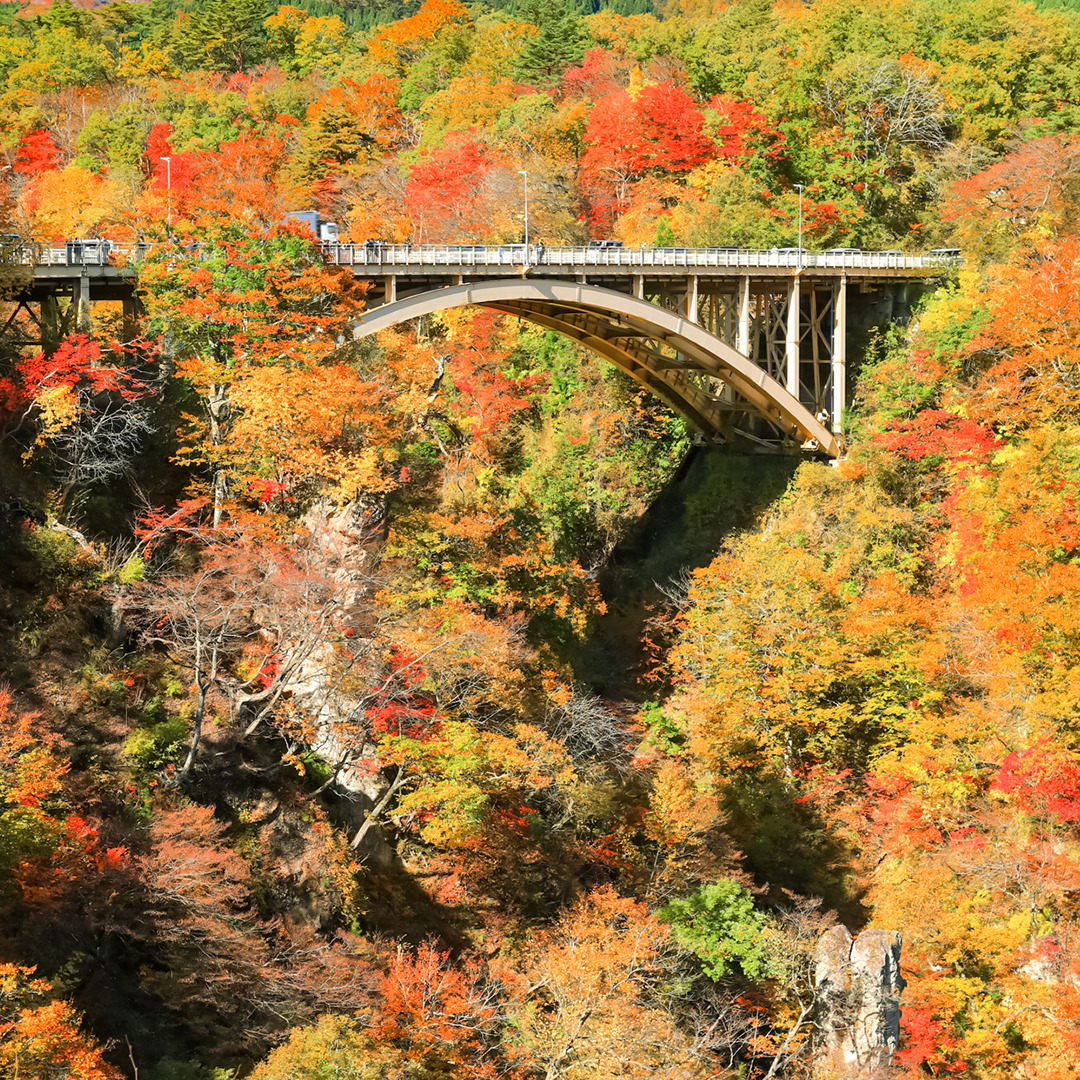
[665, 234]
[223, 35]
[560, 44]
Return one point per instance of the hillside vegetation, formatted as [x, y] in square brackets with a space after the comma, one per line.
[322, 754]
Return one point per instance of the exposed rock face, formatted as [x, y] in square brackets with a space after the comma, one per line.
[858, 1001]
[342, 538]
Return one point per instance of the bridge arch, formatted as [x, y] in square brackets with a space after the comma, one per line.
[627, 330]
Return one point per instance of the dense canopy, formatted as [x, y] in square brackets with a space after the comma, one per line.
[431, 706]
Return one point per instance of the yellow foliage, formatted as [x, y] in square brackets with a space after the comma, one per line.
[397, 45]
[58, 410]
[679, 809]
[72, 202]
[497, 47]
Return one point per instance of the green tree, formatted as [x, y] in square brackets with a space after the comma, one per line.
[223, 35]
[117, 137]
[665, 234]
[720, 925]
[560, 44]
[736, 51]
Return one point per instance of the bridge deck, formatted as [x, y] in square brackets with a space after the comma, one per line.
[555, 261]
[96, 257]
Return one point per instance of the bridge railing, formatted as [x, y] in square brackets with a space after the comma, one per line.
[517, 255]
[99, 252]
[92, 252]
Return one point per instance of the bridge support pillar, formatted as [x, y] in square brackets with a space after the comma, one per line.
[791, 351]
[51, 324]
[742, 342]
[132, 309]
[80, 302]
[692, 298]
[639, 286]
[839, 353]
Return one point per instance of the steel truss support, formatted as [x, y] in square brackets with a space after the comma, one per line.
[44, 312]
[839, 355]
[676, 359]
[794, 330]
[59, 312]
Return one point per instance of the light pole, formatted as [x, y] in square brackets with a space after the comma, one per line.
[799, 186]
[168, 195]
[526, 175]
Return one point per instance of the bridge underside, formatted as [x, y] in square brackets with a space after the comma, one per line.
[696, 372]
[44, 311]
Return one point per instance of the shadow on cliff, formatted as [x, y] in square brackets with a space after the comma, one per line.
[714, 493]
[787, 846]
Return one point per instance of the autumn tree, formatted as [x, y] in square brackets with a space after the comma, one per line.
[802, 647]
[224, 966]
[300, 42]
[241, 589]
[1032, 191]
[89, 411]
[346, 129]
[37, 153]
[1035, 372]
[41, 1034]
[450, 196]
[887, 108]
[657, 131]
[443, 1013]
[31, 778]
[398, 46]
[341, 1044]
[596, 996]
[73, 201]
[247, 307]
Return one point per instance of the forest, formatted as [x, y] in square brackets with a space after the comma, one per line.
[433, 706]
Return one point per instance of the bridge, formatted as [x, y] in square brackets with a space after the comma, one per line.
[741, 342]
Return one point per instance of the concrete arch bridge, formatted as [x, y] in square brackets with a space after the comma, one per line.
[744, 343]
[694, 371]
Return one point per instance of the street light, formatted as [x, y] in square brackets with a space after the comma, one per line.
[526, 175]
[799, 186]
[168, 189]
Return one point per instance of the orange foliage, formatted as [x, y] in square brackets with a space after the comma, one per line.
[1034, 327]
[71, 202]
[40, 1038]
[589, 1010]
[399, 44]
[431, 1005]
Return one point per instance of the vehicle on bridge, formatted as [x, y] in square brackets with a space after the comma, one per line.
[325, 231]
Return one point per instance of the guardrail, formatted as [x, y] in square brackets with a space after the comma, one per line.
[94, 252]
[685, 258]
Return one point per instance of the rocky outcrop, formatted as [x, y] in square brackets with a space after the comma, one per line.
[858, 987]
[343, 549]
